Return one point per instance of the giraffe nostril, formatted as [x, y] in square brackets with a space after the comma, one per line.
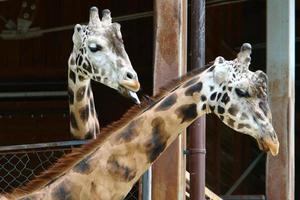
[129, 75]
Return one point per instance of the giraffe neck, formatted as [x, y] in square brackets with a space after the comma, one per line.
[112, 168]
[84, 123]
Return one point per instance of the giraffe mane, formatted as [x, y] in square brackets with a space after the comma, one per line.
[69, 160]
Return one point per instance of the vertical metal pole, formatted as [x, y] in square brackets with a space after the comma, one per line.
[146, 185]
[281, 71]
[197, 129]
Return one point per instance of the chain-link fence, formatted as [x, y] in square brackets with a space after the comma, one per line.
[21, 163]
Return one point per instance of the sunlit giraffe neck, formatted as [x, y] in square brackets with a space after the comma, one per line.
[84, 122]
[99, 55]
[110, 165]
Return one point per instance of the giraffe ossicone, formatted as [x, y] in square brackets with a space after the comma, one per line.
[110, 165]
[99, 55]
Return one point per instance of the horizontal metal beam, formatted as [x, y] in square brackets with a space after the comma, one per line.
[214, 3]
[42, 145]
[5, 95]
[243, 197]
[37, 32]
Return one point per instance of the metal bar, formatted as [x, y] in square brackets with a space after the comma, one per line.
[244, 197]
[4, 95]
[214, 3]
[280, 177]
[197, 129]
[34, 114]
[146, 185]
[32, 83]
[43, 145]
[117, 19]
[245, 174]
[71, 26]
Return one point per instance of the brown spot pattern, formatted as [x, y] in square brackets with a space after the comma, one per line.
[230, 122]
[263, 106]
[244, 116]
[190, 82]
[225, 99]
[90, 134]
[221, 110]
[73, 121]
[187, 112]
[81, 78]
[62, 192]
[80, 93]
[194, 88]
[120, 171]
[72, 76]
[130, 132]
[71, 96]
[213, 96]
[87, 67]
[84, 113]
[259, 116]
[211, 68]
[240, 126]
[158, 141]
[233, 110]
[167, 103]
[72, 61]
[83, 167]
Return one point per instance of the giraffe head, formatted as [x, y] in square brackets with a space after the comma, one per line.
[99, 54]
[239, 98]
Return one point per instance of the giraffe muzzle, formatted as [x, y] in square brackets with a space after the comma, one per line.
[269, 144]
[132, 85]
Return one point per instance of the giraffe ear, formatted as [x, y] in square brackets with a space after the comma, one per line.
[220, 71]
[261, 82]
[117, 28]
[77, 40]
[244, 55]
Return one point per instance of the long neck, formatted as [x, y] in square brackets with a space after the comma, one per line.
[112, 168]
[84, 123]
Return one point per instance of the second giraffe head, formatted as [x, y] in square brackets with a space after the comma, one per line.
[99, 54]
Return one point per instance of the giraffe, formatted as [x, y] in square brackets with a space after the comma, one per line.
[98, 54]
[108, 166]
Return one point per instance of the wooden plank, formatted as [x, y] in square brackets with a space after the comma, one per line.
[168, 175]
[281, 70]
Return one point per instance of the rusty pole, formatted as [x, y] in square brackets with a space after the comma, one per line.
[280, 170]
[197, 129]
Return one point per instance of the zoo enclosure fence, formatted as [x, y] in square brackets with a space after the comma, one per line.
[21, 163]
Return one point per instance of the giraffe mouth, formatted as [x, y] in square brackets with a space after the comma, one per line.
[132, 85]
[269, 144]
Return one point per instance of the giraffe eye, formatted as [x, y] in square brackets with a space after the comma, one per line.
[242, 93]
[95, 47]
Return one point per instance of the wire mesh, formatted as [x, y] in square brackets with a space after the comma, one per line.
[19, 166]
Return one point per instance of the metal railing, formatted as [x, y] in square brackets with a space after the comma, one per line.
[21, 163]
